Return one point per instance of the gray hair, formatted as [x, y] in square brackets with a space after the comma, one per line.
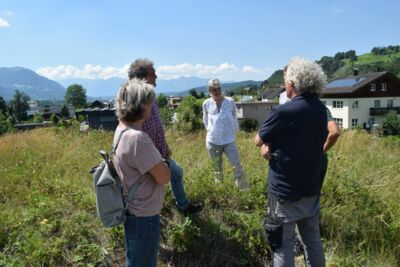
[213, 84]
[306, 75]
[132, 98]
[138, 69]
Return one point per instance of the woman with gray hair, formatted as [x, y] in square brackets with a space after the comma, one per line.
[220, 121]
[140, 166]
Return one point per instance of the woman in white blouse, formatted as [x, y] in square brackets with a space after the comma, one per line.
[220, 121]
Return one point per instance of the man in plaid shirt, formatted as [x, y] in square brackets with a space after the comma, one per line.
[144, 69]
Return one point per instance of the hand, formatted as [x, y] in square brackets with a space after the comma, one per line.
[265, 152]
[169, 152]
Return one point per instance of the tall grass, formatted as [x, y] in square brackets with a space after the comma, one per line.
[47, 205]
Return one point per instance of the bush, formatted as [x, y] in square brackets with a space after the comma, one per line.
[166, 116]
[391, 124]
[248, 125]
[37, 118]
[5, 125]
[189, 115]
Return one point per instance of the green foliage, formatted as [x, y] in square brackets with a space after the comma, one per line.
[166, 116]
[3, 106]
[54, 119]
[162, 100]
[202, 95]
[193, 92]
[20, 105]
[189, 115]
[64, 112]
[5, 125]
[391, 124]
[76, 96]
[37, 118]
[248, 125]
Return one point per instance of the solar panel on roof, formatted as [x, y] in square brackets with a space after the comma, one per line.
[344, 82]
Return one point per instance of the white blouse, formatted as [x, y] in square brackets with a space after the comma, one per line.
[221, 125]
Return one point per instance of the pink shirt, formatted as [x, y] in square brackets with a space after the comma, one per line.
[135, 156]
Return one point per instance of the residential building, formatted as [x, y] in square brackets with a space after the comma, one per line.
[174, 102]
[362, 100]
[254, 110]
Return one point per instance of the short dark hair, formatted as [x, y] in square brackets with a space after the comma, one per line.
[138, 68]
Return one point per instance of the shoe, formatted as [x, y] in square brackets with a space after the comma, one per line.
[194, 206]
[242, 184]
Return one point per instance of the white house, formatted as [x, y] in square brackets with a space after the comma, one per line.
[362, 99]
[254, 110]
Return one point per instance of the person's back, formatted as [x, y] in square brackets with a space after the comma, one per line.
[297, 147]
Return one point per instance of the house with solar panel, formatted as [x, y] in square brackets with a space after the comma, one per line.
[362, 100]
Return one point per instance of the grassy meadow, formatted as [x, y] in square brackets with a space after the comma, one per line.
[48, 218]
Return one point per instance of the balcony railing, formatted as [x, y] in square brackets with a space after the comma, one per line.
[383, 111]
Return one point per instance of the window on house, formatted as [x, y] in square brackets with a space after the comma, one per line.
[390, 103]
[383, 88]
[339, 122]
[337, 104]
[354, 122]
[377, 104]
[355, 104]
[373, 87]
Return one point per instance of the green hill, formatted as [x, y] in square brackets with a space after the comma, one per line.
[48, 218]
[342, 64]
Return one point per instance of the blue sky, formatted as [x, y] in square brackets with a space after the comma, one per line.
[229, 39]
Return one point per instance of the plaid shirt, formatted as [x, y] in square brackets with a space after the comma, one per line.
[154, 128]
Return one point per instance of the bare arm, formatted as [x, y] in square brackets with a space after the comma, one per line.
[161, 173]
[333, 135]
[258, 141]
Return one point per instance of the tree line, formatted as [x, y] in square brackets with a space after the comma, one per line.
[15, 111]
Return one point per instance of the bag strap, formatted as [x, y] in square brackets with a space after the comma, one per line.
[133, 191]
[115, 145]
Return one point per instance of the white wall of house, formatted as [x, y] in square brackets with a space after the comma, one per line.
[357, 110]
[254, 110]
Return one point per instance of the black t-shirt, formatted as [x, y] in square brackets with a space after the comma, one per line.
[296, 132]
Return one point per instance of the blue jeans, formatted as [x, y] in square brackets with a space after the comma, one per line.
[142, 240]
[176, 182]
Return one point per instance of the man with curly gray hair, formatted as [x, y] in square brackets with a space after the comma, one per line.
[296, 133]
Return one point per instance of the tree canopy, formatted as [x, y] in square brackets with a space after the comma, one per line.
[20, 105]
[76, 96]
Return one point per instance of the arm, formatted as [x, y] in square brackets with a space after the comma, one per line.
[258, 141]
[235, 115]
[333, 135]
[160, 173]
[205, 115]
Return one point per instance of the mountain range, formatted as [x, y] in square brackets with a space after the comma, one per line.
[29, 82]
[42, 88]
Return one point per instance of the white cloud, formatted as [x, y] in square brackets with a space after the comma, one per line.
[89, 71]
[225, 71]
[336, 10]
[250, 69]
[4, 23]
[201, 70]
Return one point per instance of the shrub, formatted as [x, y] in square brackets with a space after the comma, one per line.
[37, 118]
[166, 116]
[189, 115]
[5, 125]
[248, 125]
[391, 124]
